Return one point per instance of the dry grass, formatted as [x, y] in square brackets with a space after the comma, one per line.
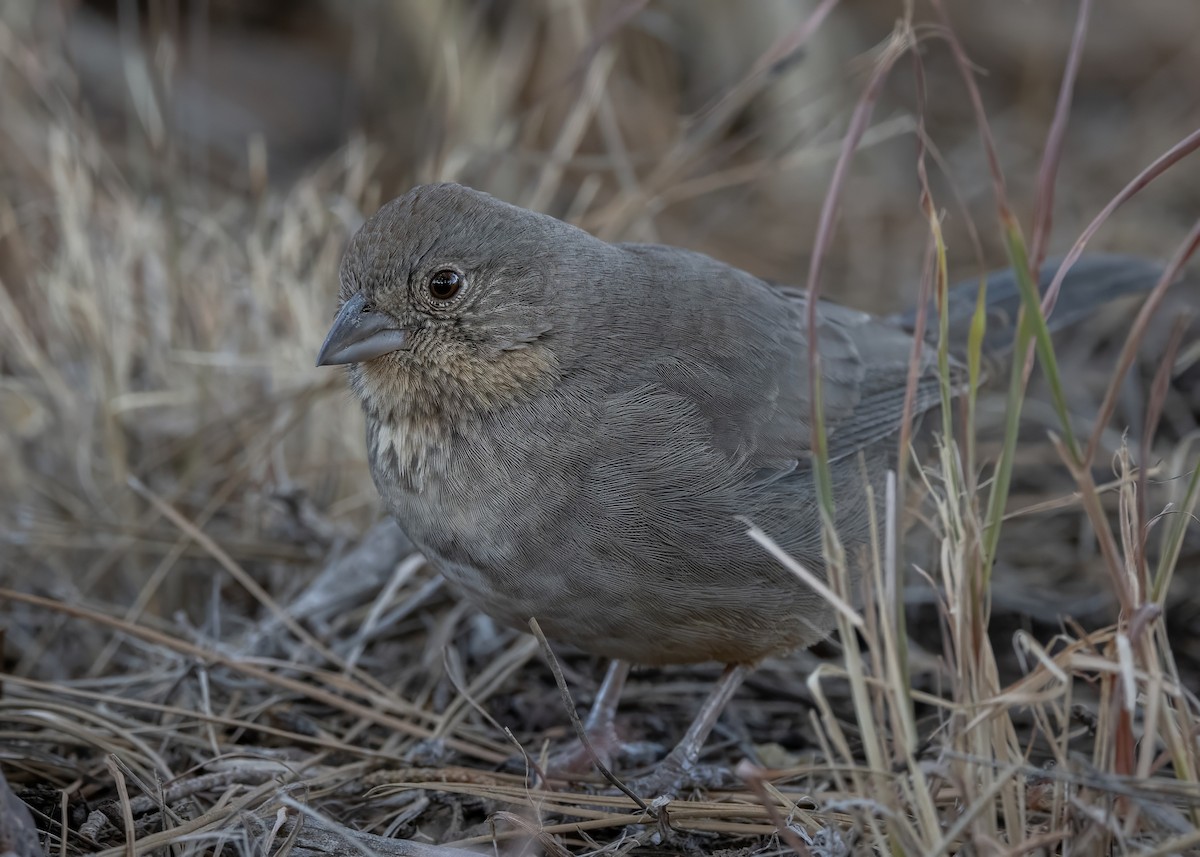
[204, 652]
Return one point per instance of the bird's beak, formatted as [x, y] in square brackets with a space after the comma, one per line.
[360, 333]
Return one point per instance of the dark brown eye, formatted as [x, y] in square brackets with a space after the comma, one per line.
[445, 284]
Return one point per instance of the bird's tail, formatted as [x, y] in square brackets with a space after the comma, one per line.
[1090, 283]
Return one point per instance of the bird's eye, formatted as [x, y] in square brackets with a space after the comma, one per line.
[445, 284]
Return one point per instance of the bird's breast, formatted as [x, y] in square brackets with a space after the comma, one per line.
[405, 454]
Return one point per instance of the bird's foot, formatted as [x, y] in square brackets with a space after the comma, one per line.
[575, 758]
[572, 760]
[676, 775]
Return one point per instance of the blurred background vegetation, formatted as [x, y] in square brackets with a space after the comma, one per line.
[177, 181]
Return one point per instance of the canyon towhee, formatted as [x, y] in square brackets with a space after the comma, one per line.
[577, 431]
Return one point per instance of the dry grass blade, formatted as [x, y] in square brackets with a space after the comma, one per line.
[1155, 170]
[896, 46]
[1043, 211]
[258, 673]
[1137, 333]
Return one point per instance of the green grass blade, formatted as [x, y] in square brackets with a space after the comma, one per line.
[1032, 304]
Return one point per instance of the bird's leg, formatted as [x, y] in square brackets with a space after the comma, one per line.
[600, 720]
[680, 764]
[599, 727]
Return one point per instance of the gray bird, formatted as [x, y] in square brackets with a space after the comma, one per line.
[577, 431]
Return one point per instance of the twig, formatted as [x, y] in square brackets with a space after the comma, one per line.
[569, 705]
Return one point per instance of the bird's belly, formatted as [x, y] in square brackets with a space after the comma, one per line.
[674, 582]
[654, 617]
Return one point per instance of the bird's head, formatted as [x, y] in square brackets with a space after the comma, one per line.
[454, 301]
